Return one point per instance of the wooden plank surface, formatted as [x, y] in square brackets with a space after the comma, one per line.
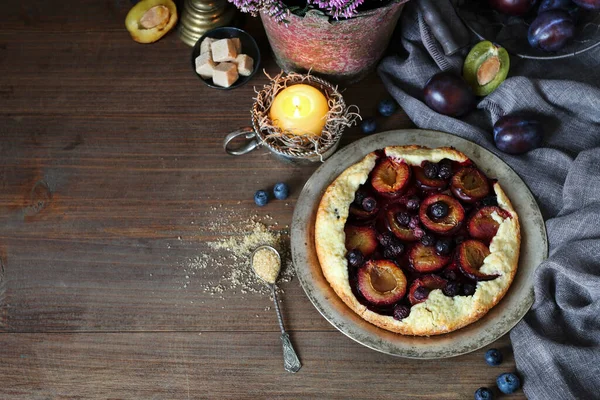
[113, 179]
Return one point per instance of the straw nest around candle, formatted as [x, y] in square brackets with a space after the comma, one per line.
[292, 145]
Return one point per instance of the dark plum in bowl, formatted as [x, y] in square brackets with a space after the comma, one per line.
[449, 94]
[518, 133]
[588, 4]
[565, 5]
[551, 30]
[512, 7]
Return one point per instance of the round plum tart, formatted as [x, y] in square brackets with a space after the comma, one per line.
[417, 241]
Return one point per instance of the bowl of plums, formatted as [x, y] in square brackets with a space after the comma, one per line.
[536, 29]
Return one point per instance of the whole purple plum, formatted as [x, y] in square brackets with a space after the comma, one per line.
[449, 94]
[551, 30]
[518, 133]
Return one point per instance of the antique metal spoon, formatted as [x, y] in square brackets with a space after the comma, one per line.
[291, 363]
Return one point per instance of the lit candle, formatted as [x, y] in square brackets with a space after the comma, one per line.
[300, 109]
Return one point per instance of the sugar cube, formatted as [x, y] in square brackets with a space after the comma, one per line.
[205, 45]
[205, 65]
[225, 74]
[238, 44]
[245, 64]
[223, 50]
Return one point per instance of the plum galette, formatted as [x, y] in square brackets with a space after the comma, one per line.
[417, 241]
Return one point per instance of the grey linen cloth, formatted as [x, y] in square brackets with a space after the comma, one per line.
[556, 345]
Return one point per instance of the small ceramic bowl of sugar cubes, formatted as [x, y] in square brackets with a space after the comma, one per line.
[225, 58]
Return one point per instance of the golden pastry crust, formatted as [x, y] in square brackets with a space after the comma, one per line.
[438, 314]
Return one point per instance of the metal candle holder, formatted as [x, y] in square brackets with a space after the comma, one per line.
[200, 16]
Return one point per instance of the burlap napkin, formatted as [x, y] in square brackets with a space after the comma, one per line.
[556, 345]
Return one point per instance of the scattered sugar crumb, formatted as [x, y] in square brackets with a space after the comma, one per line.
[237, 236]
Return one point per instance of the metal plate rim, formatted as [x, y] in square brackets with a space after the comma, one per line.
[500, 320]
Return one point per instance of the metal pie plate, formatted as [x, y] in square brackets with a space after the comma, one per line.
[497, 322]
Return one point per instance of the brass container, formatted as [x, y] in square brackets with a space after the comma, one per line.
[200, 16]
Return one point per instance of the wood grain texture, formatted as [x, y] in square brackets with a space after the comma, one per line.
[112, 175]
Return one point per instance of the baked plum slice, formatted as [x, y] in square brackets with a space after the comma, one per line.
[402, 232]
[390, 178]
[421, 287]
[482, 226]
[441, 214]
[470, 185]
[381, 282]
[363, 238]
[470, 256]
[428, 183]
[424, 258]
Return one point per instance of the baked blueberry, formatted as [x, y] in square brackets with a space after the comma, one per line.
[401, 312]
[427, 240]
[452, 289]
[439, 210]
[403, 218]
[261, 198]
[444, 169]
[468, 289]
[413, 203]
[368, 126]
[489, 201]
[431, 170]
[484, 393]
[493, 357]
[355, 258]
[386, 239]
[369, 204]
[394, 250]
[443, 246]
[508, 383]
[387, 107]
[281, 191]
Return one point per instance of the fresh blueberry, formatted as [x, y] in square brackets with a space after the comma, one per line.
[401, 312]
[431, 170]
[439, 210]
[403, 218]
[443, 246]
[508, 383]
[493, 357]
[281, 191]
[261, 198]
[484, 393]
[387, 107]
[451, 289]
[355, 258]
[368, 126]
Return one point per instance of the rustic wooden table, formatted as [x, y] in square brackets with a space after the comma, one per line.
[113, 179]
